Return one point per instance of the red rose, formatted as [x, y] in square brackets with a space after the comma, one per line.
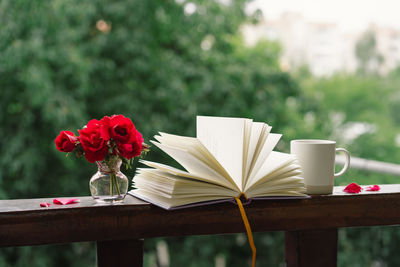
[93, 144]
[133, 149]
[119, 128]
[66, 141]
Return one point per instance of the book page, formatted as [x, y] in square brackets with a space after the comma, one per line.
[264, 136]
[269, 145]
[255, 135]
[224, 138]
[165, 189]
[284, 186]
[171, 185]
[190, 162]
[247, 137]
[276, 178]
[168, 203]
[178, 172]
[276, 163]
[196, 148]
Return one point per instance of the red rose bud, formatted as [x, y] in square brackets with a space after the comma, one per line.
[353, 188]
[119, 128]
[66, 141]
[373, 188]
[93, 144]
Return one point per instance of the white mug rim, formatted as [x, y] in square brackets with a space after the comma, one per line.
[313, 142]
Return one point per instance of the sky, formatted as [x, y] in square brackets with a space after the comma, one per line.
[350, 15]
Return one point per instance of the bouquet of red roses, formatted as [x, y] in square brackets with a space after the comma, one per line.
[108, 142]
[98, 140]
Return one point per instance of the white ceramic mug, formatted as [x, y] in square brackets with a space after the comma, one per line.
[317, 161]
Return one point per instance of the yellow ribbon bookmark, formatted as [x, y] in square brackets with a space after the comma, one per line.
[248, 229]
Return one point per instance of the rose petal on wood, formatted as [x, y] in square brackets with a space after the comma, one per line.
[45, 204]
[373, 188]
[65, 201]
[352, 188]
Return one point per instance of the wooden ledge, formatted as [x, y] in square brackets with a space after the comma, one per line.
[24, 222]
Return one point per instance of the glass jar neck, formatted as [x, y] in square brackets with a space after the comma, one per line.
[112, 165]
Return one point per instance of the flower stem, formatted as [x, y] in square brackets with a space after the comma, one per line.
[116, 184]
[112, 184]
[113, 181]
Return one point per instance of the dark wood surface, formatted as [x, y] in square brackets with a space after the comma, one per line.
[120, 253]
[311, 248]
[24, 222]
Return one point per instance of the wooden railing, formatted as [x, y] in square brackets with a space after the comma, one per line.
[310, 225]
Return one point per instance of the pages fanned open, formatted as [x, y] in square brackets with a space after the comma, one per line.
[229, 157]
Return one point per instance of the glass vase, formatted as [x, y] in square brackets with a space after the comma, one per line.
[109, 184]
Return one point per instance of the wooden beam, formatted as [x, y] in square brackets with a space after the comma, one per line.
[24, 222]
[311, 248]
[119, 253]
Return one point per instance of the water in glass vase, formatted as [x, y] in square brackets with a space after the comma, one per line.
[109, 184]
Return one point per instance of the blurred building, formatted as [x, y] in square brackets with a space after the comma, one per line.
[388, 46]
[323, 47]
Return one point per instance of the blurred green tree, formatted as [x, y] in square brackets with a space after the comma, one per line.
[360, 111]
[161, 63]
[368, 57]
[157, 62]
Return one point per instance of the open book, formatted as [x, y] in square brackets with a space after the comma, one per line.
[228, 158]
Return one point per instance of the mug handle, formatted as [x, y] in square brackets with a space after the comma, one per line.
[347, 162]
